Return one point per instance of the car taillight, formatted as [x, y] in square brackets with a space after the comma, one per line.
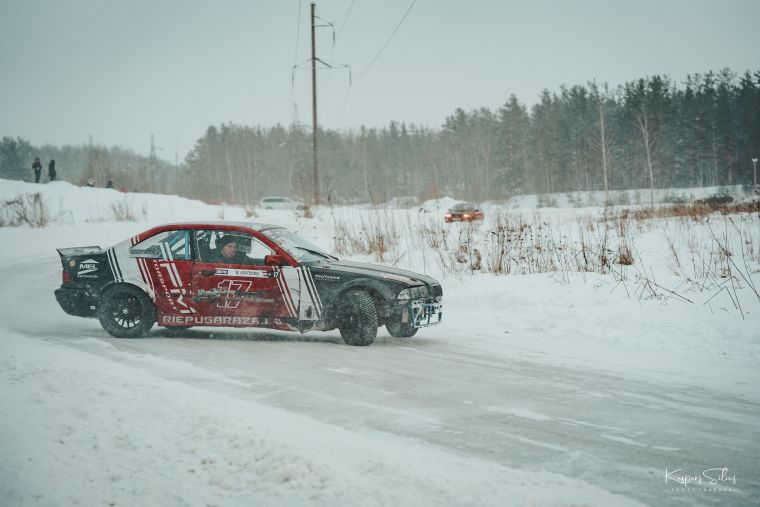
[66, 276]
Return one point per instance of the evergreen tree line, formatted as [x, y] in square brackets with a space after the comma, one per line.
[651, 132]
[79, 164]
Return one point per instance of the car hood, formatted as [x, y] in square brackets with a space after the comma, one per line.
[376, 271]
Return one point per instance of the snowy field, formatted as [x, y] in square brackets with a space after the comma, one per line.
[540, 387]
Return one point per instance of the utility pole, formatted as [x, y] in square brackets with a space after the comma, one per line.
[315, 125]
[314, 105]
[153, 157]
[153, 165]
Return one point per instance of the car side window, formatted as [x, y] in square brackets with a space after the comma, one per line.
[230, 247]
[168, 245]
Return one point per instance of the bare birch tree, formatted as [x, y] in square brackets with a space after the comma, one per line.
[643, 124]
[603, 141]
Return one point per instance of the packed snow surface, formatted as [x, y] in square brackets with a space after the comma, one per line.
[556, 388]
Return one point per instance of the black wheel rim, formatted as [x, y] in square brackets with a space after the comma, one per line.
[126, 310]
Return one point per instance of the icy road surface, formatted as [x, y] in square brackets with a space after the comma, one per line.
[615, 432]
[81, 407]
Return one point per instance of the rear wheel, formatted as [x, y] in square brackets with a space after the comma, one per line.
[357, 319]
[399, 329]
[126, 312]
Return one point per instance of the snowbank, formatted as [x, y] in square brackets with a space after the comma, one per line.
[631, 197]
[67, 204]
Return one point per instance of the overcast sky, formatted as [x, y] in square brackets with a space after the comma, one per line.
[121, 70]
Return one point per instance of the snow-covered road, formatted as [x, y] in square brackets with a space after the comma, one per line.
[617, 433]
[456, 415]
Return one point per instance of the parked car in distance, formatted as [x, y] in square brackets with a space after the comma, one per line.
[464, 212]
[240, 274]
[281, 203]
[405, 201]
[715, 200]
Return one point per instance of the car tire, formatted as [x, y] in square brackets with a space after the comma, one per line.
[399, 329]
[126, 312]
[357, 318]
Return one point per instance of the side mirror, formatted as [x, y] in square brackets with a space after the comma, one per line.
[274, 260]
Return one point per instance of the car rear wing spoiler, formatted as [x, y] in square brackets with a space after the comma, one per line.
[79, 250]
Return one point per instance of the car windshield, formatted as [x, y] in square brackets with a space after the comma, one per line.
[463, 207]
[299, 248]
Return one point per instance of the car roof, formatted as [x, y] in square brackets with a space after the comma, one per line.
[256, 226]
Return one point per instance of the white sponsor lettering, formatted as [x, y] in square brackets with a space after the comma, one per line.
[320, 276]
[247, 273]
[175, 293]
[218, 320]
[88, 266]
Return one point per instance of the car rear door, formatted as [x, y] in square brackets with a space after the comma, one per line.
[165, 264]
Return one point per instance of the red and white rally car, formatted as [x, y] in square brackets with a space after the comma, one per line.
[240, 275]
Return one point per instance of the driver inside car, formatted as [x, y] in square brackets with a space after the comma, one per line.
[227, 251]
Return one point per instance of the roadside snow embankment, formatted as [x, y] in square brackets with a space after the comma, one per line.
[61, 203]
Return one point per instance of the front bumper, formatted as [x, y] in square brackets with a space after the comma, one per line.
[423, 313]
[77, 302]
[462, 218]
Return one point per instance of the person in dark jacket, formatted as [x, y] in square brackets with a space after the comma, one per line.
[37, 166]
[51, 170]
[227, 251]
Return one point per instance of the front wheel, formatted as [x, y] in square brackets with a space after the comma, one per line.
[357, 319]
[126, 312]
[399, 329]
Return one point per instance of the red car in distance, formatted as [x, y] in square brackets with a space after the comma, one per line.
[464, 212]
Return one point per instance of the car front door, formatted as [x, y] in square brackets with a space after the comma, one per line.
[238, 288]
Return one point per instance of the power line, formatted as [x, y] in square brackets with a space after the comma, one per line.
[298, 32]
[345, 18]
[295, 57]
[343, 108]
[332, 50]
[328, 64]
[386, 42]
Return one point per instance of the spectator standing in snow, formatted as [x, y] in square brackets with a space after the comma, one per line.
[91, 182]
[51, 170]
[37, 166]
[109, 184]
